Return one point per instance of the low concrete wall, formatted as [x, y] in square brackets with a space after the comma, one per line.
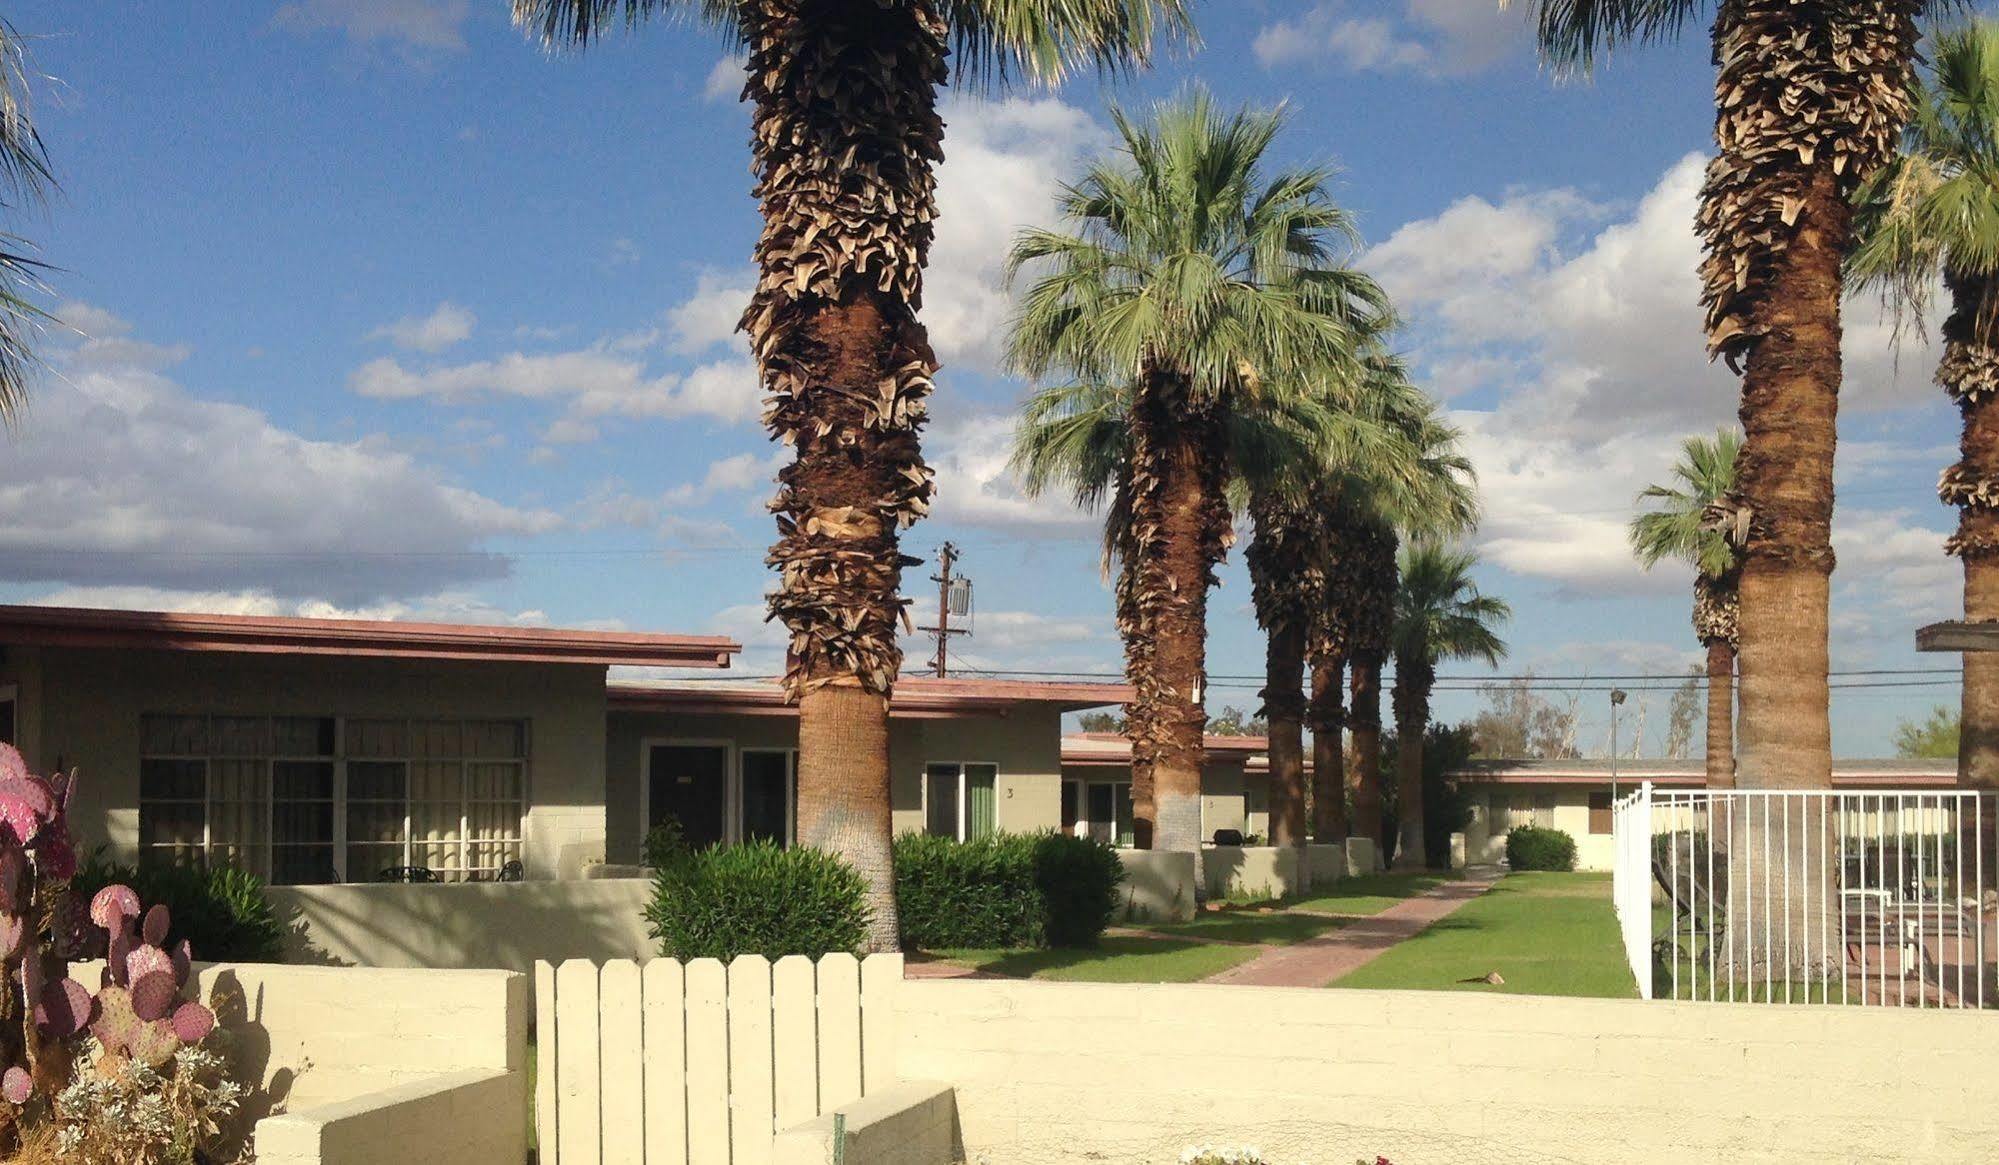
[1252, 871]
[1363, 856]
[502, 925]
[1158, 886]
[1325, 864]
[914, 1123]
[1049, 1072]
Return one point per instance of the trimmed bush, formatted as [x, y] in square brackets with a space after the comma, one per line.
[1005, 891]
[1531, 848]
[220, 909]
[756, 899]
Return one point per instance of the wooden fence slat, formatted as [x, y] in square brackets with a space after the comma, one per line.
[750, 1060]
[576, 1036]
[549, 1148]
[707, 1062]
[666, 1062]
[839, 1030]
[881, 975]
[622, 1062]
[794, 1030]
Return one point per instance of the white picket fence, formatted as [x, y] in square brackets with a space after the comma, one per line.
[665, 1063]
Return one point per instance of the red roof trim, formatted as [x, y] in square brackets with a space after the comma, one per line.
[174, 631]
[914, 696]
[1847, 780]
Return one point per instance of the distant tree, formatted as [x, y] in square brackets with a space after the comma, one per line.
[1233, 721]
[1516, 723]
[1446, 808]
[1932, 738]
[1100, 722]
[1682, 715]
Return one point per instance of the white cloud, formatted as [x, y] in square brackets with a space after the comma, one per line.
[415, 28]
[120, 476]
[743, 471]
[442, 607]
[708, 317]
[725, 80]
[448, 324]
[1429, 38]
[593, 382]
[975, 487]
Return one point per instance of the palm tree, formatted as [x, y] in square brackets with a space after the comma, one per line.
[25, 180]
[1190, 294]
[1674, 525]
[845, 139]
[1810, 97]
[1933, 215]
[1439, 615]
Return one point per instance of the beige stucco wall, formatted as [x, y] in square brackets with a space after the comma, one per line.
[1494, 806]
[90, 701]
[1050, 1072]
[505, 925]
[1158, 885]
[1026, 744]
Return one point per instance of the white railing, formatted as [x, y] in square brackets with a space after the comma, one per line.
[1809, 896]
[703, 1063]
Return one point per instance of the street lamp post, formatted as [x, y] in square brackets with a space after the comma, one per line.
[1616, 699]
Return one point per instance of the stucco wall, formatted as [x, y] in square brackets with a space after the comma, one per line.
[91, 701]
[505, 925]
[1026, 745]
[1049, 1072]
[1158, 885]
[1485, 837]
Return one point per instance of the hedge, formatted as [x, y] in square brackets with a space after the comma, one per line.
[1005, 891]
[1532, 848]
[219, 909]
[756, 899]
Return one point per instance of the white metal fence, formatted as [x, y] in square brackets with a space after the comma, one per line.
[666, 1063]
[1874, 897]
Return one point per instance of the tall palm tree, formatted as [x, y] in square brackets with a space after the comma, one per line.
[1674, 525]
[1440, 615]
[1933, 216]
[25, 181]
[1193, 289]
[1810, 97]
[845, 138]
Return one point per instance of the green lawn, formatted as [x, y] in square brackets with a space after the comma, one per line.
[1546, 934]
[1117, 960]
[1369, 893]
[1251, 925]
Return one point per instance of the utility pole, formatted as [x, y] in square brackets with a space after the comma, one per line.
[951, 589]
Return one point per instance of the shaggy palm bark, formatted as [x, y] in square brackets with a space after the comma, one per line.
[1327, 715]
[845, 136]
[1715, 624]
[1811, 97]
[1371, 618]
[1138, 654]
[1287, 588]
[1411, 700]
[1179, 532]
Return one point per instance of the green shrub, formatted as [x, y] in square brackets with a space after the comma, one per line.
[1008, 890]
[219, 909]
[664, 845]
[1532, 848]
[757, 899]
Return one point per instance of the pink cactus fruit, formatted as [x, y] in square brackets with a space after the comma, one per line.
[113, 904]
[116, 1024]
[154, 994]
[16, 1085]
[12, 763]
[158, 920]
[192, 1022]
[142, 960]
[64, 1009]
[19, 823]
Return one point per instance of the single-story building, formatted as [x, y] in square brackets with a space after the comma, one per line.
[1096, 786]
[1575, 796]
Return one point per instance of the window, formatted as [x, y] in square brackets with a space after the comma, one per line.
[307, 799]
[1599, 813]
[958, 800]
[1107, 806]
[10, 698]
[768, 784]
[1544, 811]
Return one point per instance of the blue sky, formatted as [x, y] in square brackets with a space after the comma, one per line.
[383, 309]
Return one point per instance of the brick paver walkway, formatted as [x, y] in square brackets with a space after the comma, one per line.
[1315, 962]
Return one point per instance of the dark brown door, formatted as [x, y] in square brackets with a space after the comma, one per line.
[686, 783]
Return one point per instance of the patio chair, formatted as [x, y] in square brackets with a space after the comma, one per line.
[513, 871]
[1697, 911]
[422, 874]
[1228, 837]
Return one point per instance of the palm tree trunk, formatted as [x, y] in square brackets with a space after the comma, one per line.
[1138, 653]
[1720, 714]
[1969, 372]
[1327, 713]
[1284, 708]
[1412, 716]
[845, 135]
[1364, 719]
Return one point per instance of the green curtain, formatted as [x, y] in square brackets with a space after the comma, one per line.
[980, 806]
[1125, 836]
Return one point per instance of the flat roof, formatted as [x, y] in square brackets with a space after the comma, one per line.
[265, 634]
[1958, 636]
[1888, 772]
[914, 696]
[1114, 748]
